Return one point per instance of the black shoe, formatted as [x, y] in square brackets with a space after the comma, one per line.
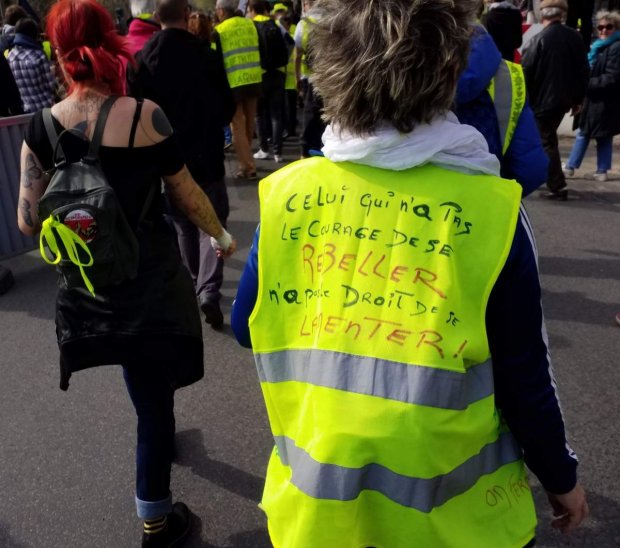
[560, 195]
[6, 280]
[213, 313]
[174, 533]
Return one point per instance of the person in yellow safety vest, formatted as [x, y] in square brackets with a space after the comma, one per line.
[285, 22]
[239, 41]
[313, 124]
[491, 97]
[380, 299]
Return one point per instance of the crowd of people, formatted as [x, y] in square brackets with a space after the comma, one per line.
[416, 100]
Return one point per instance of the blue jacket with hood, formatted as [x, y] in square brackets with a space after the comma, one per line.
[525, 160]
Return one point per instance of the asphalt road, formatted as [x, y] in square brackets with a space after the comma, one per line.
[66, 459]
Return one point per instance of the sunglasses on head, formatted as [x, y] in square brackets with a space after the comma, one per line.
[608, 26]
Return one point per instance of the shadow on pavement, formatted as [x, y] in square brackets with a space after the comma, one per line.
[573, 306]
[580, 268]
[191, 452]
[5, 538]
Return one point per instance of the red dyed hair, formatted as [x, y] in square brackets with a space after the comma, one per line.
[88, 44]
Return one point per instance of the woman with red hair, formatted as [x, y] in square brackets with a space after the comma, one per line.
[150, 324]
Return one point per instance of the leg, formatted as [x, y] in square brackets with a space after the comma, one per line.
[249, 108]
[240, 141]
[548, 127]
[262, 116]
[313, 124]
[211, 267]
[579, 150]
[153, 399]
[291, 107]
[276, 108]
[604, 150]
[188, 238]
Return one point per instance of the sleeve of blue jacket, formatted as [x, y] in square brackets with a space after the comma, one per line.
[525, 388]
[525, 160]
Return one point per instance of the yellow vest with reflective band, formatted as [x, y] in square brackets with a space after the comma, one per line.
[370, 343]
[291, 79]
[305, 37]
[507, 90]
[239, 40]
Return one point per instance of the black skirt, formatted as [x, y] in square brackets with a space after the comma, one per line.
[153, 318]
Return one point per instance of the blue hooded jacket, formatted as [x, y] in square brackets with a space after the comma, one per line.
[525, 160]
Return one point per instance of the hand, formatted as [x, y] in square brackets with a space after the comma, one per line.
[569, 510]
[225, 253]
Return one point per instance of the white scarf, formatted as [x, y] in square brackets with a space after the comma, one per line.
[444, 142]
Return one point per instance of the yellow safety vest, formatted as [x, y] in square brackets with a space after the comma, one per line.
[239, 40]
[305, 37]
[507, 90]
[370, 343]
[291, 79]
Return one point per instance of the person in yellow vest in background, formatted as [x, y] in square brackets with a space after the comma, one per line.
[239, 40]
[284, 19]
[392, 302]
[313, 124]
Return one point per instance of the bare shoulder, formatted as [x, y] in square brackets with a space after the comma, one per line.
[154, 125]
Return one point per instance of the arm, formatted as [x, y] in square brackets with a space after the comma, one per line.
[33, 182]
[247, 293]
[526, 160]
[192, 201]
[525, 387]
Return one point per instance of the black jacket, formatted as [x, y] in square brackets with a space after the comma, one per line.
[556, 69]
[600, 116]
[187, 79]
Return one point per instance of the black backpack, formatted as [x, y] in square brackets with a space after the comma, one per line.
[83, 224]
[274, 52]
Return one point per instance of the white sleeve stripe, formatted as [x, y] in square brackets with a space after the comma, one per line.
[525, 222]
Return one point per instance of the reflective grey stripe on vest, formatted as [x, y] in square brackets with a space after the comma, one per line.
[503, 101]
[382, 378]
[238, 51]
[244, 66]
[330, 481]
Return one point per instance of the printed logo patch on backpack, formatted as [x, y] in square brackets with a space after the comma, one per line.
[82, 223]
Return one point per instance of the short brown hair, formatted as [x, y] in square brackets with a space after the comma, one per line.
[393, 60]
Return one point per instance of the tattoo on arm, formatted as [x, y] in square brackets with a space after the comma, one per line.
[33, 172]
[160, 123]
[25, 208]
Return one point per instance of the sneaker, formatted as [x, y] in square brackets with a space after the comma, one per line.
[278, 159]
[227, 145]
[213, 313]
[568, 171]
[600, 177]
[174, 533]
[560, 195]
[261, 154]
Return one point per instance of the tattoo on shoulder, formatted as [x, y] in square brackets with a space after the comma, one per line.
[160, 123]
[25, 209]
[82, 127]
[32, 172]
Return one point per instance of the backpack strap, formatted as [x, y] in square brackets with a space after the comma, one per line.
[52, 134]
[95, 143]
[134, 123]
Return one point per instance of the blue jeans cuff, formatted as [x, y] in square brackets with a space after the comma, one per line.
[153, 509]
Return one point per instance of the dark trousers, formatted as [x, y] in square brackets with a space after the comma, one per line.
[311, 138]
[153, 399]
[205, 267]
[270, 111]
[291, 111]
[548, 124]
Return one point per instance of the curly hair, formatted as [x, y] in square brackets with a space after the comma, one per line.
[388, 60]
[612, 16]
